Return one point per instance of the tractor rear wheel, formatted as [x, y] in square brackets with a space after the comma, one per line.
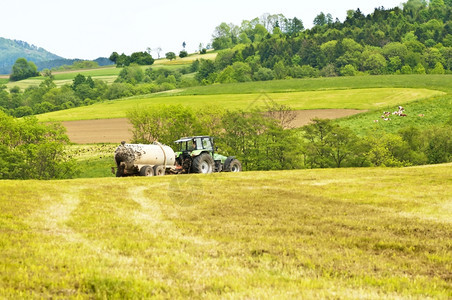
[203, 164]
[146, 171]
[233, 166]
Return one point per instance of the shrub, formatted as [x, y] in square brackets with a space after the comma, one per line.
[119, 90]
[183, 54]
[264, 74]
[348, 70]
[32, 150]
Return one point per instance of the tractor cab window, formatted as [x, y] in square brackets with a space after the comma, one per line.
[197, 144]
[207, 144]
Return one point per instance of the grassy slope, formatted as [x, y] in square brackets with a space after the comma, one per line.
[249, 92]
[345, 233]
[355, 99]
[422, 113]
[434, 82]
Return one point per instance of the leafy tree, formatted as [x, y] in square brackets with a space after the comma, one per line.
[132, 74]
[225, 36]
[406, 70]
[33, 150]
[114, 57]
[439, 148]
[293, 26]
[316, 148]
[141, 58]
[183, 54]
[264, 74]
[348, 70]
[23, 69]
[170, 55]
[419, 69]
[241, 72]
[226, 76]
[375, 64]
[341, 143]
[123, 60]
[320, 20]
[206, 71]
[280, 70]
[438, 69]
[119, 90]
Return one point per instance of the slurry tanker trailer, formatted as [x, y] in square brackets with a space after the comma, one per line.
[195, 154]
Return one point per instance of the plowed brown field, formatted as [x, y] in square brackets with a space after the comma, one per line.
[117, 130]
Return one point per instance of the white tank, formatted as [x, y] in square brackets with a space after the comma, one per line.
[142, 154]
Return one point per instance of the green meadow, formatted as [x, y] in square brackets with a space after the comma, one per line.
[367, 93]
[340, 234]
[355, 99]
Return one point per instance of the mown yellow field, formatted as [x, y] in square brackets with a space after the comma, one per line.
[342, 233]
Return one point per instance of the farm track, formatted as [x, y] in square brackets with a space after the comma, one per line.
[117, 130]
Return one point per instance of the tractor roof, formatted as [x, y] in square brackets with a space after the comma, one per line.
[187, 139]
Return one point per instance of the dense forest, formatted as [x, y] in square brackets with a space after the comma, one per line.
[416, 38]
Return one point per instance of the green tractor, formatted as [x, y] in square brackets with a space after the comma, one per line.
[197, 154]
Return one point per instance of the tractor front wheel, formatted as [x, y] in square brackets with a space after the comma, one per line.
[203, 164]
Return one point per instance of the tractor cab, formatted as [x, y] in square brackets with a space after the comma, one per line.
[195, 145]
[197, 154]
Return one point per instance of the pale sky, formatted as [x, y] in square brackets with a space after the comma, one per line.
[88, 29]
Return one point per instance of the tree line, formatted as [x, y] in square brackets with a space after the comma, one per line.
[85, 90]
[263, 139]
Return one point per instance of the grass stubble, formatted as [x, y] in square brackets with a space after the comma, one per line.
[343, 233]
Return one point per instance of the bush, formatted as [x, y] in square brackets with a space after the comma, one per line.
[132, 74]
[348, 70]
[32, 150]
[264, 74]
[183, 54]
[119, 90]
[406, 70]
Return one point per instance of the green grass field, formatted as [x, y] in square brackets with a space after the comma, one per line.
[433, 82]
[422, 113]
[335, 234]
[353, 98]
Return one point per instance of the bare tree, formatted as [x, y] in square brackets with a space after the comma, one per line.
[158, 50]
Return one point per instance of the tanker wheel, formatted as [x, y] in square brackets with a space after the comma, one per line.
[120, 170]
[159, 170]
[146, 171]
[234, 166]
[203, 164]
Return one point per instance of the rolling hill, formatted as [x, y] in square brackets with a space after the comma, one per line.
[11, 50]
